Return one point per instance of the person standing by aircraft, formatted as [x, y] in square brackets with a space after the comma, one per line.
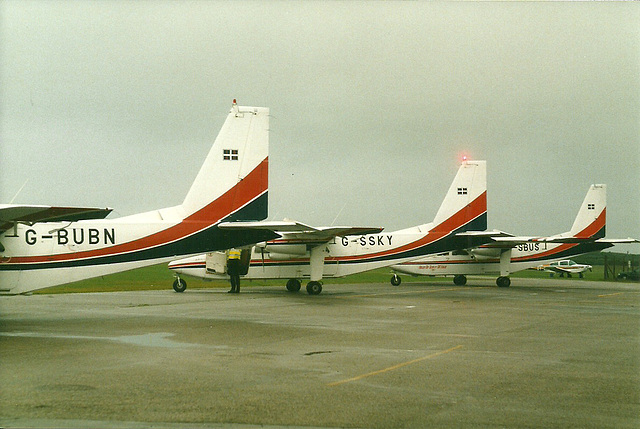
[233, 269]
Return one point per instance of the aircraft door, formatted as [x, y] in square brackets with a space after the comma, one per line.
[245, 261]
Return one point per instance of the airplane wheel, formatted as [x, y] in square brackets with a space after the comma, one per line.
[503, 281]
[293, 285]
[314, 288]
[396, 280]
[179, 285]
[459, 280]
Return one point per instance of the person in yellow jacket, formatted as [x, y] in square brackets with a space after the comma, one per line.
[233, 268]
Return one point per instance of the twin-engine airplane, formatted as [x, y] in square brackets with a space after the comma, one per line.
[42, 246]
[307, 252]
[506, 254]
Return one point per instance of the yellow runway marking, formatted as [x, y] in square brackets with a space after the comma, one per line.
[391, 368]
[610, 294]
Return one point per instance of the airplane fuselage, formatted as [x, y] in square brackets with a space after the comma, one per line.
[50, 253]
[523, 256]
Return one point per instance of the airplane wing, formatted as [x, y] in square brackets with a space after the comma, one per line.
[512, 241]
[475, 239]
[280, 226]
[490, 234]
[30, 214]
[570, 239]
[552, 269]
[301, 232]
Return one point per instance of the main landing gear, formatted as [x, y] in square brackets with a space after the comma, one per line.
[293, 285]
[459, 280]
[179, 285]
[503, 281]
[313, 287]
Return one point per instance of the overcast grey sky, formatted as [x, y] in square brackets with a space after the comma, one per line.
[117, 103]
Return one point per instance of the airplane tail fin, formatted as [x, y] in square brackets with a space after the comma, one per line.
[232, 183]
[465, 206]
[591, 219]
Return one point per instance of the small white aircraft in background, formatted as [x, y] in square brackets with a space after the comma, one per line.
[314, 253]
[566, 266]
[42, 246]
[506, 254]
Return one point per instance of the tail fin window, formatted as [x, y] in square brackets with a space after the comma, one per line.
[230, 154]
[462, 191]
[591, 206]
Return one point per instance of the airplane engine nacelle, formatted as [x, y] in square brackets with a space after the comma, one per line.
[284, 256]
[287, 249]
[485, 253]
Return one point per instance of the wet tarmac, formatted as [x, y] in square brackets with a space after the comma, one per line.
[542, 353]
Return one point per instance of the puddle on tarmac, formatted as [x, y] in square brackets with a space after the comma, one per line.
[154, 339]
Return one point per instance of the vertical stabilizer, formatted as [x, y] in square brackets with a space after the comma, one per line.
[591, 219]
[466, 200]
[235, 169]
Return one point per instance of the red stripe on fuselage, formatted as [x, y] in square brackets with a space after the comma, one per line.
[248, 189]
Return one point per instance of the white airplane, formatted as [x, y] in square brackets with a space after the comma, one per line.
[42, 246]
[566, 266]
[506, 254]
[314, 253]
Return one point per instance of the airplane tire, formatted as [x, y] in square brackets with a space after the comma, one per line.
[293, 285]
[459, 280]
[314, 288]
[179, 285]
[503, 281]
[396, 280]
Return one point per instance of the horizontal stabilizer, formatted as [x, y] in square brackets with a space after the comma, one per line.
[618, 240]
[341, 231]
[508, 242]
[30, 214]
[302, 231]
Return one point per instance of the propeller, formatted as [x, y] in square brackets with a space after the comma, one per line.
[261, 246]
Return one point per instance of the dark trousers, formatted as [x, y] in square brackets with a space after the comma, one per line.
[233, 268]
